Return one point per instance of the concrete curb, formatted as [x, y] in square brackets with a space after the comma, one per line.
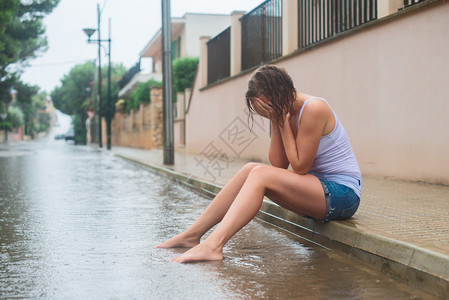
[419, 267]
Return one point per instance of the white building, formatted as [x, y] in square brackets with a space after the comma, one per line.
[186, 33]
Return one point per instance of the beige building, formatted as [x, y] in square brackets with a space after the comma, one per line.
[142, 128]
[387, 80]
[186, 32]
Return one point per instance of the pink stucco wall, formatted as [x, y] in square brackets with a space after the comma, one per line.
[388, 83]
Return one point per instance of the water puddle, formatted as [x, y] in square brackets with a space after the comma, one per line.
[79, 223]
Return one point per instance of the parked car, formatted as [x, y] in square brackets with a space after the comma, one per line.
[70, 135]
[60, 136]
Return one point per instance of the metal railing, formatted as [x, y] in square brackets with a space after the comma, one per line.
[219, 56]
[262, 34]
[412, 2]
[129, 75]
[322, 19]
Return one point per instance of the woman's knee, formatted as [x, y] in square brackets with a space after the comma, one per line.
[250, 166]
[260, 172]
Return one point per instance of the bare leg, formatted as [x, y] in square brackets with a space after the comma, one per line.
[301, 193]
[213, 214]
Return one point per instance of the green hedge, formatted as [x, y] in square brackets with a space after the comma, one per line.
[184, 70]
[5, 125]
[141, 94]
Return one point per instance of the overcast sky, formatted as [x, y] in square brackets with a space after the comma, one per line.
[134, 22]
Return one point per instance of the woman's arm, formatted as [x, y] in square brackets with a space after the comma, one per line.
[302, 150]
[276, 152]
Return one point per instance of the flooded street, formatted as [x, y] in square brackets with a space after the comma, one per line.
[78, 223]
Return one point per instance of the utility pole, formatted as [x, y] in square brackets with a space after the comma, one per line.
[168, 138]
[89, 32]
[100, 141]
[109, 110]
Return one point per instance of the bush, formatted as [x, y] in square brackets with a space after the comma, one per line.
[15, 116]
[79, 126]
[43, 120]
[141, 94]
[184, 70]
[5, 126]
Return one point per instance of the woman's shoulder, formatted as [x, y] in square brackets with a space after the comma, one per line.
[318, 112]
[316, 106]
[313, 111]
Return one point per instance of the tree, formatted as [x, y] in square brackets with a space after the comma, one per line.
[71, 97]
[74, 96]
[28, 108]
[184, 70]
[35, 117]
[15, 116]
[117, 72]
[25, 92]
[21, 38]
[24, 100]
[43, 121]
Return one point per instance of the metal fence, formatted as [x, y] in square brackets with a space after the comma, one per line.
[129, 75]
[219, 56]
[322, 19]
[262, 34]
[411, 2]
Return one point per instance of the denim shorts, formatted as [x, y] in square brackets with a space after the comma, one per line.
[341, 201]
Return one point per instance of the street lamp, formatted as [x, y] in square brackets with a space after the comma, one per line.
[89, 32]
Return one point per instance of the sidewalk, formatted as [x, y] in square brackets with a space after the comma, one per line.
[401, 227]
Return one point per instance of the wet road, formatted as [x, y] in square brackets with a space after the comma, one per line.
[77, 223]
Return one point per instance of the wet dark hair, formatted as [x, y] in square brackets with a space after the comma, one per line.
[276, 85]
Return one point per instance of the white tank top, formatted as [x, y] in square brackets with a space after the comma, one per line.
[335, 161]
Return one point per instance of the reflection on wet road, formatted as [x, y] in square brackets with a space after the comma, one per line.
[80, 223]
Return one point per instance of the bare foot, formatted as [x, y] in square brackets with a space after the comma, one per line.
[180, 241]
[201, 252]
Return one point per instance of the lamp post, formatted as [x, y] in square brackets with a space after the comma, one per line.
[89, 32]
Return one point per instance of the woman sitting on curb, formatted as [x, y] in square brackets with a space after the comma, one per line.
[325, 181]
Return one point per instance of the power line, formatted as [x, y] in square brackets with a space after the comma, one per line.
[60, 63]
[104, 4]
